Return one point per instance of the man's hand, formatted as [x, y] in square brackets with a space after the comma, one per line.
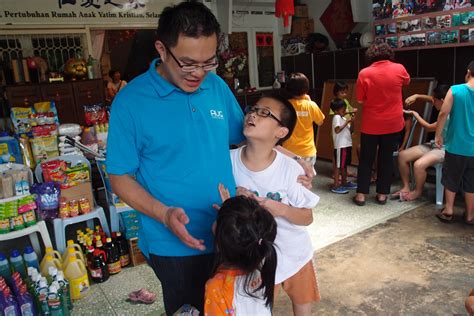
[307, 179]
[176, 219]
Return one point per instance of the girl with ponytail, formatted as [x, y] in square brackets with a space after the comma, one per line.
[244, 278]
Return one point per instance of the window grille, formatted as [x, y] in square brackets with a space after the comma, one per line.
[55, 49]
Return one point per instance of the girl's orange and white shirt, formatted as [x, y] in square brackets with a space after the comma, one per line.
[225, 295]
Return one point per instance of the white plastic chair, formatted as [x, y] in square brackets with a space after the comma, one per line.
[39, 227]
[114, 210]
[439, 186]
[60, 224]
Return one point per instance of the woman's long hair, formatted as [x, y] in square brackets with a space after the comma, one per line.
[245, 233]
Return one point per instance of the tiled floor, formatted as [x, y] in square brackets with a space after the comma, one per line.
[335, 218]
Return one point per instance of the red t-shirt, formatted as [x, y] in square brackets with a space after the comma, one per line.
[379, 89]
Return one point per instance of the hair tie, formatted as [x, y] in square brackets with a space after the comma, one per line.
[260, 241]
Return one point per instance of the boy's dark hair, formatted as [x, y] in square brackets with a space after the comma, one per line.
[378, 52]
[288, 115]
[245, 232]
[192, 19]
[470, 67]
[112, 72]
[297, 85]
[337, 104]
[339, 86]
[440, 91]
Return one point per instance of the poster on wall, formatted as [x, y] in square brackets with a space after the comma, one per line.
[91, 12]
[391, 9]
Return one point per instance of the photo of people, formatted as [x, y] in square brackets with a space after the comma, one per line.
[443, 21]
[429, 23]
[434, 38]
[392, 41]
[449, 37]
[467, 18]
[380, 29]
[456, 19]
[464, 36]
[391, 9]
[392, 28]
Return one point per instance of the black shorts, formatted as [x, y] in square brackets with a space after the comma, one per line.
[458, 173]
[342, 157]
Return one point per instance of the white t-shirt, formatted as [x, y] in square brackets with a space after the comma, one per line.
[279, 181]
[344, 138]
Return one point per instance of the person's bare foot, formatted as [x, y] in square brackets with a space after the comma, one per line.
[469, 303]
[412, 195]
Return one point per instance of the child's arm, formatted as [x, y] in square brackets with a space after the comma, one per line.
[296, 215]
[412, 99]
[429, 127]
[339, 129]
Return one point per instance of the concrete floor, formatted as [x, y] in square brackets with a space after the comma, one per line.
[393, 259]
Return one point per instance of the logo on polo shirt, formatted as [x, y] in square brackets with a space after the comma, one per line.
[302, 113]
[217, 115]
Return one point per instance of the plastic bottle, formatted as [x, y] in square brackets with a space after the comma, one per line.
[90, 67]
[26, 302]
[76, 273]
[31, 259]
[72, 253]
[17, 282]
[55, 301]
[54, 253]
[75, 247]
[98, 267]
[113, 257]
[52, 274]
[65, 288]
[41, 295]
[5, 271]
[9, 304]
[122, 247]
[17, 264]
[47, 262]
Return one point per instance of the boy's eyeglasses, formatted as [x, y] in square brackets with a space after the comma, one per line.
[263, 112]
[192, 68]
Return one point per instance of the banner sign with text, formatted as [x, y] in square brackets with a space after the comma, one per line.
[80, 12]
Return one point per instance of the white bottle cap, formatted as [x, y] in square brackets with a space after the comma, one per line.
[30, 270]
[53, 289]
[60, 276]
[43, 283]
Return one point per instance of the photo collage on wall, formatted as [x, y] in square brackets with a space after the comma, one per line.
[442, 29]
[392, 9]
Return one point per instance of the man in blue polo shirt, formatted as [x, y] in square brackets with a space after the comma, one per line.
[168, 149]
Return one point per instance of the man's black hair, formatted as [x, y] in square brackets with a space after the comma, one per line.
[440, 91]
[192, 19]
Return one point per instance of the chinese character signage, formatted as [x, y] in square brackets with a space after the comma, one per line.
[90, 12]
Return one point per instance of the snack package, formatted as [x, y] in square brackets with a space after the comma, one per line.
[69, 129]
[47, 110]
[47, 196]
[77, 174]
[44, 148]
[21, 119]
[95, 114]
[54, 170]
[25, 147]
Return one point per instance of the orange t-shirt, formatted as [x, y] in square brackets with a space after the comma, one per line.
[301, 141]
[379, 89]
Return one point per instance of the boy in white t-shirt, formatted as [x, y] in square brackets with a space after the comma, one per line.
[270, 177]
[342, 140]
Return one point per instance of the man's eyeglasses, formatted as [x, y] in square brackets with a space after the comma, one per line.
[192, 68]
[263, 112]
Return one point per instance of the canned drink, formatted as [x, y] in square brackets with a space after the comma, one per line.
[85, 206]
[63, 210]
[73, 208]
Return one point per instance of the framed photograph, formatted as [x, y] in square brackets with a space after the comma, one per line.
[392, 28]
[443, 21]
[429, 23]
[404, 41]
[456, 19]
[433, 38]
[403, 26]
[464, 36]
[415, 25]
[392, 41]
[380, 29]
[418, 40]
[467, 18]
[449, 37]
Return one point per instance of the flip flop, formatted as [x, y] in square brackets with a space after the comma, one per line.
[381, 201]
[142, 296]
[445, 218]
[399, 195]
[358, 202]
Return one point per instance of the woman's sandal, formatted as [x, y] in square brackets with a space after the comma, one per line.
[142, 296]
[381, 201]
[358, 202]
[445, 218]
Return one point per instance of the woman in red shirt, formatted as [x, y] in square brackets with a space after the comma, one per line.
[379, 90]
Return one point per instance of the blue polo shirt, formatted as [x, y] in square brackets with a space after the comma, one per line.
[177, 145]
